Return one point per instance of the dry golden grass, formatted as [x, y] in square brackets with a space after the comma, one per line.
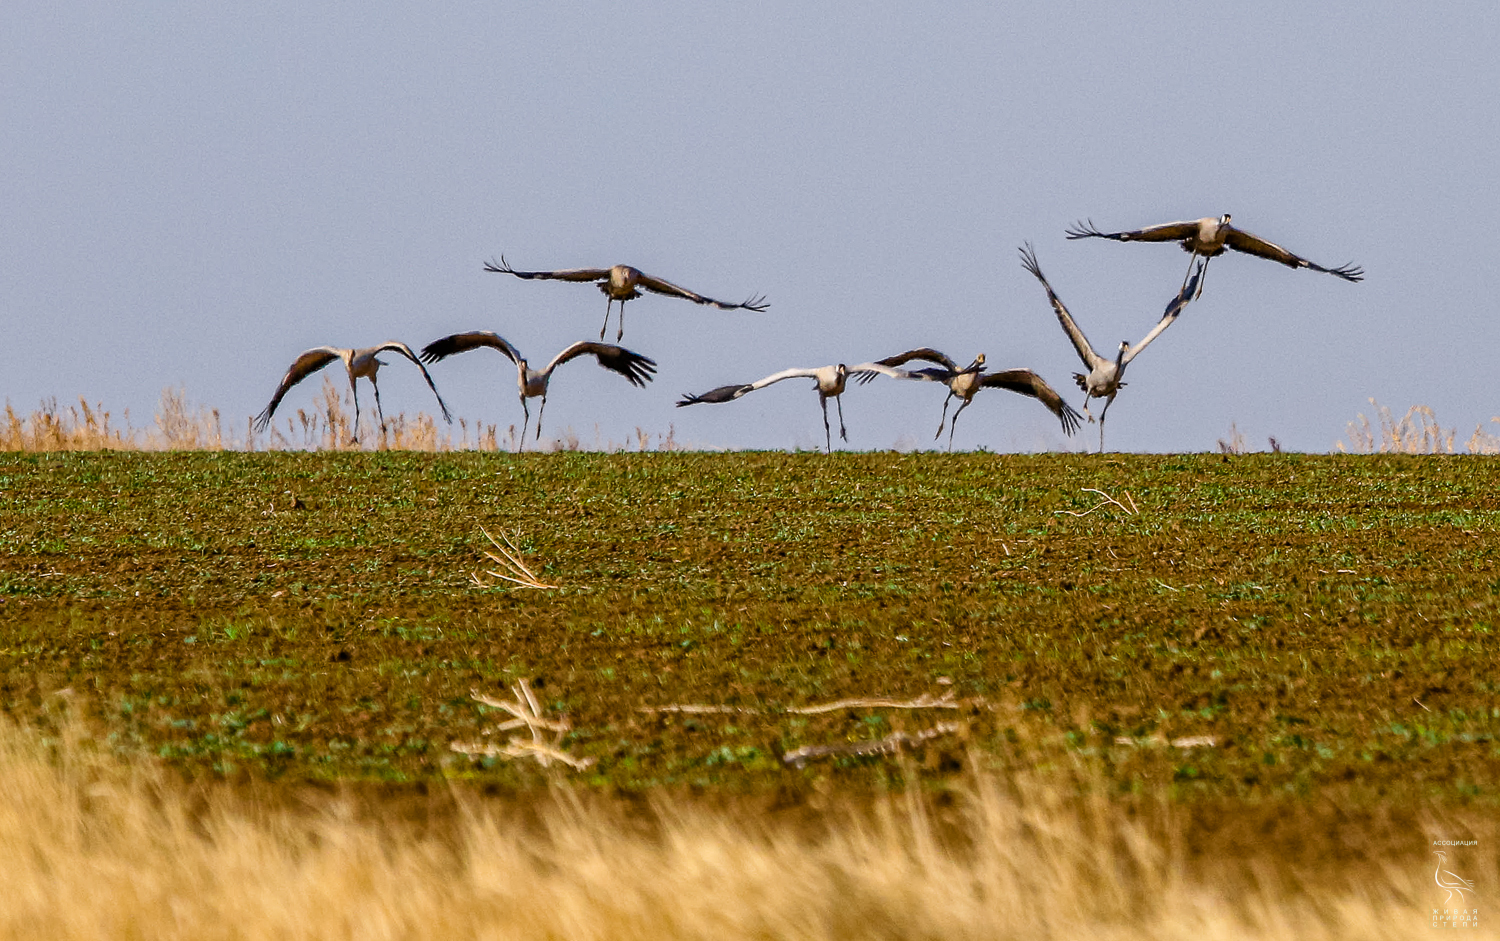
[97, 850]
[1482, 442]
[181, 426]
[1416, 432]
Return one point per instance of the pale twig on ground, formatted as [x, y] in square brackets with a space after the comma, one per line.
[510, 559]
[528, 714]
[1186, 741]
[700, 709]
[799, 757]
[924, 701]
[545, 754]
[1105, 500]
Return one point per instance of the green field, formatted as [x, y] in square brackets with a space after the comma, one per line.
[1328, 621]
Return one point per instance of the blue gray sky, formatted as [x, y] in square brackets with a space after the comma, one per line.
[193, 196]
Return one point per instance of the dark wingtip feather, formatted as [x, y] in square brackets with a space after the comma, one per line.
[1070, 418]
[1084, 230]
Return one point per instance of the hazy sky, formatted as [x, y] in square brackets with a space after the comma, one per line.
[193, 195]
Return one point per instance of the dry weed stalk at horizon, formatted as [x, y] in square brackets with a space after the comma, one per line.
[102, 849]
[1416, 432]
[181, 426]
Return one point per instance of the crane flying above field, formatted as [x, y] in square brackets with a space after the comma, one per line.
[623, 283]
[1209, 237]
[360, 364]
[1104, 378]
[532, 383]
[830, 382]
[965, 383]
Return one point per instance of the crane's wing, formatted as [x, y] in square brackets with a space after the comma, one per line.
[1166, 232]
[463, 342]
[1174, 307]
[631, 365]
[1029, 383]
[864, 372]
[932, 374]
[784, 374]
[721, 394]
[925, 354]
[658, 286]
[1080, 342]
[396, 346]
[1240, 240]
[305, 365]
[567, 274]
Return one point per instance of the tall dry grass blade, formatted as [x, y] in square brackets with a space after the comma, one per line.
[1482, 442]
[1416, 432]
[100, 849]
[1236, 442]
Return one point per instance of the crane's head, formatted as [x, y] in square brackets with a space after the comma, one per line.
[1224, 219]
[978, 362]
[842, 370]
[1124, 348]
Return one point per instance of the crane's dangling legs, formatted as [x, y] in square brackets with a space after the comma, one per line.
[608, 303]
[944, 420]
[1201, 272]
[525, 423]
[540, 409]
[953, 425]
[827, 435]
[843, 432]
[379, 415]
[1107, 403]
[354, 388]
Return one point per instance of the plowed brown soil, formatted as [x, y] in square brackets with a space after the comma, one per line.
[1328, 622]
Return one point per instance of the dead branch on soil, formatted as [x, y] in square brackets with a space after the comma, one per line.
[1186, 741]
[510, 558]
[1105, 500]
[698, 709]
[528, 714]
[799, 757]
[924, 701]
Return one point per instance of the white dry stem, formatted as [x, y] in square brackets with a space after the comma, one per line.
[510, 558]
[544, 754]
[698, 709]
[1186, 741]
[924, 701]
[799, 757]
[1105, 500]
[528, 714]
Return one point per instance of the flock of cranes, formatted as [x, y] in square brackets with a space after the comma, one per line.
[1203, 239]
